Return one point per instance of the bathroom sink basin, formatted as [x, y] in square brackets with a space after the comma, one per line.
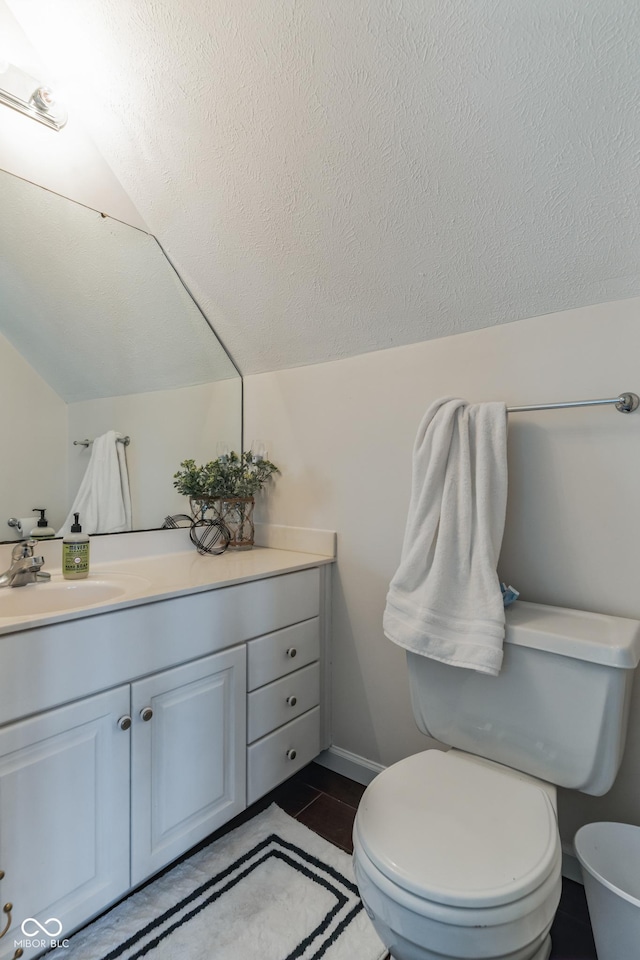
[59, 595]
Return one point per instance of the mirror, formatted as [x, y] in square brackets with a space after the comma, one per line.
[98, 333]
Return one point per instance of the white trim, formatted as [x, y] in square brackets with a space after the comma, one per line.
[299, 539]
[108, 548]
[326, 579]
[349, 765]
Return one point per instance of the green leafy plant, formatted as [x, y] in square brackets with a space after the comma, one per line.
[233, 475]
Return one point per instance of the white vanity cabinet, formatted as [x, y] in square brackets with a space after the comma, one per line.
[98, 795]
[188, 757]
[64, 816]
[127, 737]
[282, 705]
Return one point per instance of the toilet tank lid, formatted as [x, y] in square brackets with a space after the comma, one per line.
[595, 637]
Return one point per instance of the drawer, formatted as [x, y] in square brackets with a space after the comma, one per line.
[281, 701]
[280, 754]
[276, 654]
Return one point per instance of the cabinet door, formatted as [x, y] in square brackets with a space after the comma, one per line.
[64, 816]
[188, 760]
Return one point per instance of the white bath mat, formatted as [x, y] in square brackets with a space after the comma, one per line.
[269, 890]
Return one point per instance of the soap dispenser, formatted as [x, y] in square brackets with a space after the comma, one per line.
[75, 552]
[42, 531]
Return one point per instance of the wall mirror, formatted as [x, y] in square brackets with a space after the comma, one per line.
[98, 333]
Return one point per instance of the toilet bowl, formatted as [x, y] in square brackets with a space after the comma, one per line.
[459, 858]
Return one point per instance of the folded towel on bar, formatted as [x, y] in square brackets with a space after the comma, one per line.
[445, 600]
[103, 499]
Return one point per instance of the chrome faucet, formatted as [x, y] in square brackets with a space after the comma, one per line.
[25, 568]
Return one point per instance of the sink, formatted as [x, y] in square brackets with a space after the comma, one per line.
[58, 595]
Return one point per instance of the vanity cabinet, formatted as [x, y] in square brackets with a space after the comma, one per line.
[67, 796]
[64, 815]
[203, 704]
[188, 757]
[282, 705]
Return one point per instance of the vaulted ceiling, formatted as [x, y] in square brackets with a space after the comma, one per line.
[333, 177]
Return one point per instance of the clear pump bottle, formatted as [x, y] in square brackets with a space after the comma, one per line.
[42, 531]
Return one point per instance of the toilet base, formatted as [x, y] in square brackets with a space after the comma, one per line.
[542, 954]
[545, 951]
[410, 951]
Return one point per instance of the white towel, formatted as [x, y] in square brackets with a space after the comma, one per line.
[103, 499]
[444, 600]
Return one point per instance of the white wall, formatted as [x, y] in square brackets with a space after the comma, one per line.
[34, 419]
[165, 427]
[342, 433]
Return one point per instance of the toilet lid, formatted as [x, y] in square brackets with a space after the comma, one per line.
[458, 832]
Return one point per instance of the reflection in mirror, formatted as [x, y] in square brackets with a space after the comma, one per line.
[98, 333]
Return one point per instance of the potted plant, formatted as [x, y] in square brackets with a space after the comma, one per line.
[226, 487]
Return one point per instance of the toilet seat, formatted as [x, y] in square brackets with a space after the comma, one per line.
[459, 832]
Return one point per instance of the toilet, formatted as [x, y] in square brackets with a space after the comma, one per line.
[456, 852]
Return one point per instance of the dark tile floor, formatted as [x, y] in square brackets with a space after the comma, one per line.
[326, 803]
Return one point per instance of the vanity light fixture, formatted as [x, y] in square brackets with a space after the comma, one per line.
[30, 96]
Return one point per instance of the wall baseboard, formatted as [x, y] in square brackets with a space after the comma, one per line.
[364, 771]
[349, 765]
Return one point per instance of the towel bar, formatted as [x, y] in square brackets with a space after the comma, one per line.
[625, 403]
[87, 443]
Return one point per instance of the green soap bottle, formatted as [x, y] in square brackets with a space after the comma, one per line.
[75, 552]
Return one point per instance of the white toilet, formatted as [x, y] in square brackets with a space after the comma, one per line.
[457, 854]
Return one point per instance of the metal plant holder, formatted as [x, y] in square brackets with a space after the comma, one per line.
[234, 513]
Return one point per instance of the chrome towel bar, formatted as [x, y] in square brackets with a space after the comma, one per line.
[87, 443]
[625, 403]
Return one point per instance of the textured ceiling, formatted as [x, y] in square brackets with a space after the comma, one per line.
[338, 176]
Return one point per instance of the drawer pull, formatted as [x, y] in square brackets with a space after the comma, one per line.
[124, 723]
[291, 754]
[292, 652]
[292, 701]
[146, 713]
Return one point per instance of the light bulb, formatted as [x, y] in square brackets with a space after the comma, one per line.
[44, 99]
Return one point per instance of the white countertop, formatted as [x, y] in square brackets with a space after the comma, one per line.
[164, 576]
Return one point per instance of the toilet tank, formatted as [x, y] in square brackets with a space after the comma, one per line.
[558, 709]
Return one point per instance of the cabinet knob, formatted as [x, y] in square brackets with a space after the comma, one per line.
[292, 652]
[291, 754]
[146, 713]
[292, 701]
[124, 723]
